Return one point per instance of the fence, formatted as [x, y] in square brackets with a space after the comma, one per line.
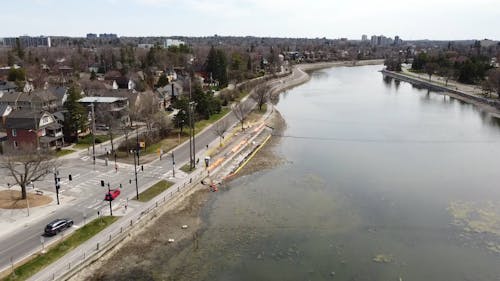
[105, 240]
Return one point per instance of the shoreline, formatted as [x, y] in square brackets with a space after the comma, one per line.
[188, 211]
[482, 103]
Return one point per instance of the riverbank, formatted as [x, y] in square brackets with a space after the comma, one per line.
[488, 105]
[131, 258]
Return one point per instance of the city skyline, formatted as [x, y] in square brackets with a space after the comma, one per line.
[443, 20]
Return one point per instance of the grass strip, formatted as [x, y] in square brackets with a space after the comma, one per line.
[74, 240]
[154, 190]
[63, 152]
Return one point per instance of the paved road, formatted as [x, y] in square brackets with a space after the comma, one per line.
[82, 197]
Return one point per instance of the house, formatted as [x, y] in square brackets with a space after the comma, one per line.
[166, 93]
[37, 101]
[116, 107]
[36, 128]
[61, 94]
[7, 86]
[124, 82]
[5, 110]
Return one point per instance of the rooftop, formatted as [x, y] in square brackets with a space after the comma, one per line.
[101, 99]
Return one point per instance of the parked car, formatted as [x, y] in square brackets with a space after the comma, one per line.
[101, 127]
[57, 226]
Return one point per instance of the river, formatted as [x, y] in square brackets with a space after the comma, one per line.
[380, 181]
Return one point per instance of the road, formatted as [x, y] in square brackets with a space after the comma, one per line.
[82, 198]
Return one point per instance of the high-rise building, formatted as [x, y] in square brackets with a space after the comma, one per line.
[108, 36]
[364, 38]
[26, 41]
[91, 36]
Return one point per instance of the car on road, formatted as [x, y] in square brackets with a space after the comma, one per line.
[112, 194]
[57, 226]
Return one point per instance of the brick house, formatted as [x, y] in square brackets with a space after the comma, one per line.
[39, 129]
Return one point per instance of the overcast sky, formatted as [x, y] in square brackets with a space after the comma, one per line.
[418, 19]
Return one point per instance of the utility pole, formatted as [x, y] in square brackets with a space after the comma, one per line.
[137, 145]
[110, 199]
[93, 133]
[190, 131]
[57, 183]
[173, 164]
[194, 137]
[136, 185]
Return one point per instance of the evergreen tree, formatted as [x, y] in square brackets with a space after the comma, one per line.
[216, 64]
[162, 81]
[76, 115]
[93, 75]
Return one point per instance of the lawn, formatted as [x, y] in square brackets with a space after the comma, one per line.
[154, 190]
[87, 141]
[78, 237]
[63, 152]
[186, 169]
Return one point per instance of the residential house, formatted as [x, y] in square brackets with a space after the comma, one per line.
[36, 128]
[124, 82]
[38, 101]
[7, 86]
[61, 94]
[48, 99]
[116, 107]
[5, 110]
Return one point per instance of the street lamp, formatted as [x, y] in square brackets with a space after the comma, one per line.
[57, 183]
[93, 132]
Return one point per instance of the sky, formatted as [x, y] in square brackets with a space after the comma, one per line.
[411, 20]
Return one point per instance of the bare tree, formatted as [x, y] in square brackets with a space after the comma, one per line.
[220, 128]
[430, 68]
[494, 80]
[27, 164]
[261, 95]
[240, 111]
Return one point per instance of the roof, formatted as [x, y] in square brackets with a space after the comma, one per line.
[43, 95]
[59, 92]
[121, 93]
[7, 85]
[23, 119]
[59, 115]
[101, 99]
[10, 97]
[3, 108]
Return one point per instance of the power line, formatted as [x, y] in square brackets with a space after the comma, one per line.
[366, 140]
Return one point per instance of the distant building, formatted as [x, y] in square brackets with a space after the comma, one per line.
[397, 41]
[173, 42]
[364, 38]
[108, 36]
[91, 36]
[26, 41]
[145, 46]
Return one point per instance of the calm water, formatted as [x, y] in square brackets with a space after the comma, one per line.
[373, 168]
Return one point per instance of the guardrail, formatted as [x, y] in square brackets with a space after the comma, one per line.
[97, 246]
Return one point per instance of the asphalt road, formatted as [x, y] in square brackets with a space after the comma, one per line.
[83, 197]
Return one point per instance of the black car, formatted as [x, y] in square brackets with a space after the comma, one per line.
[57, 226]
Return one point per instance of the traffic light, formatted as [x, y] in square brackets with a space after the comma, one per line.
[70, 177]
[129, 181]
[142, 168]
[102, 183]
[121, 185]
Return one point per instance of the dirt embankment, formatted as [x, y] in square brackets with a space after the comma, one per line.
[130, 259]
